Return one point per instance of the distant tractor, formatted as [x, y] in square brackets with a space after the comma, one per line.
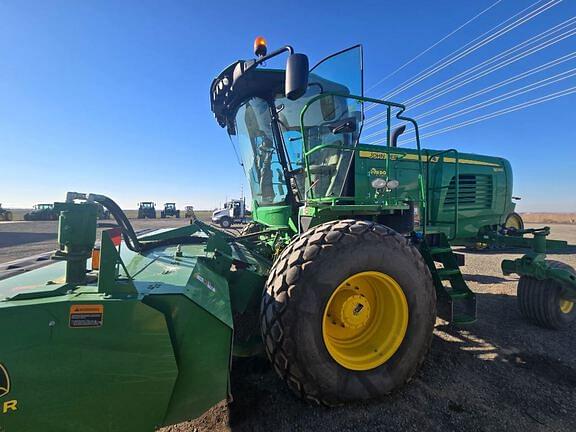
[234, 211]
[169, 211]
[147, 210]
[189, 212]
[5, 215]
[42, 212]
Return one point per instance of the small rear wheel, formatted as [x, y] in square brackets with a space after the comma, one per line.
[514, 221]
[348, 312]
[541, 301]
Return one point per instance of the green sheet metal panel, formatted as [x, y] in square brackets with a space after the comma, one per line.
[202, 344]
[189, 275]
[93, 379]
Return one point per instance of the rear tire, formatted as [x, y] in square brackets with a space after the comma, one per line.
[514, 221]
[540, 301]
[300, 296]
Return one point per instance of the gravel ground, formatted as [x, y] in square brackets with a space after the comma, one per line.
[500, 373]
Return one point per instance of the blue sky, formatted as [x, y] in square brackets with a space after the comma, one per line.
[112, 96]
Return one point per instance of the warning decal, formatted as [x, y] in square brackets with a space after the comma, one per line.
[86, 316]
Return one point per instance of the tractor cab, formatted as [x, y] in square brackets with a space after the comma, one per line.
[297, 132]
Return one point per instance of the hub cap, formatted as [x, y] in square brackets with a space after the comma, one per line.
[365, 320]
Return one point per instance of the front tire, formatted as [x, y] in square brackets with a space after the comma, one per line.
[225, 222]
[338, 286]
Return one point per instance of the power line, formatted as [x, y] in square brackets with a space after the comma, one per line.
[463, 51]
[500, 98]
[394, 72]
[496, 59]
[510, 80]
[486, 63]
[520, 91]
[527, 104]
[513, 59]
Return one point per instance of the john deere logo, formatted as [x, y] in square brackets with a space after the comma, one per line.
[4, 381]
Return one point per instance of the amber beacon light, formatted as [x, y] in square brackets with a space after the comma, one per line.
[260, 48]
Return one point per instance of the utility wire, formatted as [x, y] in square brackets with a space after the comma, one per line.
[520, 91]
[482, 43]
[437, 92]
[569, 22]
[510, 80]
[499, 113]
[395, 71]
[518, 57]
[500, 98]
[463, 51]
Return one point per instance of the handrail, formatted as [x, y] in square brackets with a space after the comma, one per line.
[421, 191]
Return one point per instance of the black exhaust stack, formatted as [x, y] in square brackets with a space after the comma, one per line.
[395, 134]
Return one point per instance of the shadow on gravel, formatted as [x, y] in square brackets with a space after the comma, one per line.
[500, 373]
[19, 238]
[569, 250]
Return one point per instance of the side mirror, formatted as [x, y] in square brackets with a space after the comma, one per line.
[296, 76]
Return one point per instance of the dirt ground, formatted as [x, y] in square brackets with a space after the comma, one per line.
[500, 373]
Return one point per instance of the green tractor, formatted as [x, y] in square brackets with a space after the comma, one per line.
[5, 215]
[42, 212]
[189, 212]
[146, 210]
[170, 211]
[339, 282]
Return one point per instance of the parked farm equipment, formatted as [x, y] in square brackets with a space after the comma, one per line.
[339, 282]
[170, 211]
[189, 212]
[146, 210]
[5, 215]
[42, 212]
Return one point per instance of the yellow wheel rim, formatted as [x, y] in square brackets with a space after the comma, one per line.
[365, 320]
[513, 221]
[566, 306]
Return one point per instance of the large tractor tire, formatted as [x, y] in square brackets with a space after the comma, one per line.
[514, 221]
[348, 312]
[540, 301]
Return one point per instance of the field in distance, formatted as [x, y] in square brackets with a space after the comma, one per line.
[18, 214]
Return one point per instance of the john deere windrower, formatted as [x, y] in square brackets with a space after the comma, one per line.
[339, 279]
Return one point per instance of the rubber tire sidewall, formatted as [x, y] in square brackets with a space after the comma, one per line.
[301, 291]
[539, 300]
[225, 223]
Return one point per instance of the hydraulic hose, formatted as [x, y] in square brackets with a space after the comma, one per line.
[130, 237]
